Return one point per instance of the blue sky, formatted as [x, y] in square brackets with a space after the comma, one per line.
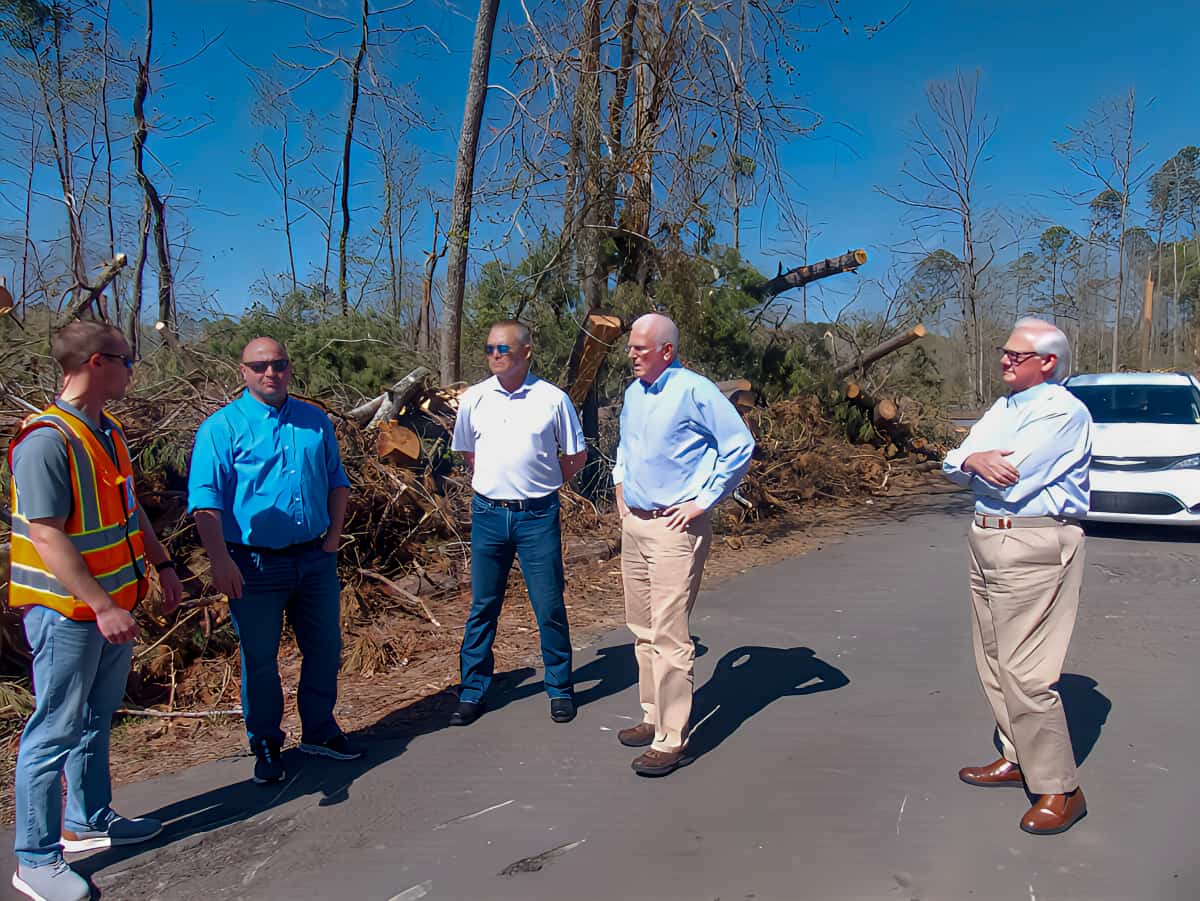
[1043, 65]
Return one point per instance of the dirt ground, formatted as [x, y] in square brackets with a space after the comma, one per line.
[143, 747]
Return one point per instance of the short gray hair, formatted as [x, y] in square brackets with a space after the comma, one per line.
[524, 337]
[1048, 339]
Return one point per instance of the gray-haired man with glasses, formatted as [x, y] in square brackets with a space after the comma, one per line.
[1027, 461]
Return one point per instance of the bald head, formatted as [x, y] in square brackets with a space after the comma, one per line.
[657, 328]
[263, 349]
[652, 346]
[266, 370]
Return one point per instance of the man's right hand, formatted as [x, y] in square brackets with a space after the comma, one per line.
[992, 467]
[226, 577]
[116, 625]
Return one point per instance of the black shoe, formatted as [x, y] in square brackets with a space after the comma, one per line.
[466, 713]
[340, 747]
[562, 710]
[268, 766]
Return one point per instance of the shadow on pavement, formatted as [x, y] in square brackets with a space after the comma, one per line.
[1086, 709]
[746, 681]
[613, 670]
[239, 801]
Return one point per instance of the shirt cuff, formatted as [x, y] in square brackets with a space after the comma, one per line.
[204, 500]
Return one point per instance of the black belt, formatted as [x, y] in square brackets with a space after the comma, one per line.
[533, 503]
[288, 551]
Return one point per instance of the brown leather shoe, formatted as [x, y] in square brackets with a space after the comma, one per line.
[661, 763]
[637, 736]
[997, 774]
[1052, 814]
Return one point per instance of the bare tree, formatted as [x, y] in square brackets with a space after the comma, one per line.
[948, 149]
[464, 180]
[1104, 149]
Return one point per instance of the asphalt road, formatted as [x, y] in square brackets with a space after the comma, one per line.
[839, 698]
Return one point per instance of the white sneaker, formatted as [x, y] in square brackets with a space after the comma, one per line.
[53, 882]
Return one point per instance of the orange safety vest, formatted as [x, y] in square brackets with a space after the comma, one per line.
[103, 522]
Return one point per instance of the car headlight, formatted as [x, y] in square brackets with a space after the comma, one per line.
[1192, 462]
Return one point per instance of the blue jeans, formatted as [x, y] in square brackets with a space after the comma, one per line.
[79, 681]
[497, 535]
[305, 585]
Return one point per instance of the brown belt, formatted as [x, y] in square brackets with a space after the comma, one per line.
[989, 521]
[647, 514]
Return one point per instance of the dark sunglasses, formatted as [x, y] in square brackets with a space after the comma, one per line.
[260, 366]
[503, 349]
[127, 361]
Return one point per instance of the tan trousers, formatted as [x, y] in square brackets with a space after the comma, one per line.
[661, 571]
[1025, 593]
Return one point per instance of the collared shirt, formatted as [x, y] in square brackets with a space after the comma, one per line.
[42, 469]
[269, 471]
[516, 437]
[681, 440]
[1049, 432]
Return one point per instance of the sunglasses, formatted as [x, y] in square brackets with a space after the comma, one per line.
[261, 366]
[126, 361]
[503, 349]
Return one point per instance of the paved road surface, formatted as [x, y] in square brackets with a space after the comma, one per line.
[840, 698]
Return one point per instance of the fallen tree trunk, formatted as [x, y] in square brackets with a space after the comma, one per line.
[802, 275]
[881, 350]
[600, 332]
[93, 292]
[385, 407]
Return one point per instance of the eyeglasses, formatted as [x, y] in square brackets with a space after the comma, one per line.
[260, 366]
[1017, 356]
[127, 361]
[503, 349]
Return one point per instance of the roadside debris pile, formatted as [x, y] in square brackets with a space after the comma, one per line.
[406, 545]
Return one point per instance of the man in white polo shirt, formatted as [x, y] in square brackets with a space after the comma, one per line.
[522, 439]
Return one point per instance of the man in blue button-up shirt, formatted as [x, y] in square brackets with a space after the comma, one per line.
[1027, 461]
[269, 493]
[683, 449]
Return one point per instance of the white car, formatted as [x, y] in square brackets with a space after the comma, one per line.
[1145, 446]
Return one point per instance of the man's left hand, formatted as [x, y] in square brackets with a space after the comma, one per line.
[680, 515]
[172, 590]
[330, 544]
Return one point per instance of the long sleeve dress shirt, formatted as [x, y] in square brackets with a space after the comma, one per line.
[268, 471]
[1049, 432]
[681, 440]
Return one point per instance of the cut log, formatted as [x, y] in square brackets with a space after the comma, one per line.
[600, 334]
[743, 399]
[854, 391]
[399, 395]
[802, 275]
[731, 385]
[397, 443]
[363, 412]
[885, 411]
[882, 350]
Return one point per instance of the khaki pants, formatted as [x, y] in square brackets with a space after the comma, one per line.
[1025, 593]
[661, 571]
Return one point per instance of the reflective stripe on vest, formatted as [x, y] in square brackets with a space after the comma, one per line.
[103, 524]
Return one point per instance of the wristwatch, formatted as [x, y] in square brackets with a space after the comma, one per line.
[166, 564]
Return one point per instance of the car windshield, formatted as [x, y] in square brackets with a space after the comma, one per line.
[1169, 404]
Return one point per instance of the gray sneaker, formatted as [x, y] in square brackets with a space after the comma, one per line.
[53, 882]
[117, 831]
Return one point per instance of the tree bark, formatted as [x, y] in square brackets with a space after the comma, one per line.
[881, 350]
[802, 275]
[464, 180]
[347, 143]
[166, 282]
